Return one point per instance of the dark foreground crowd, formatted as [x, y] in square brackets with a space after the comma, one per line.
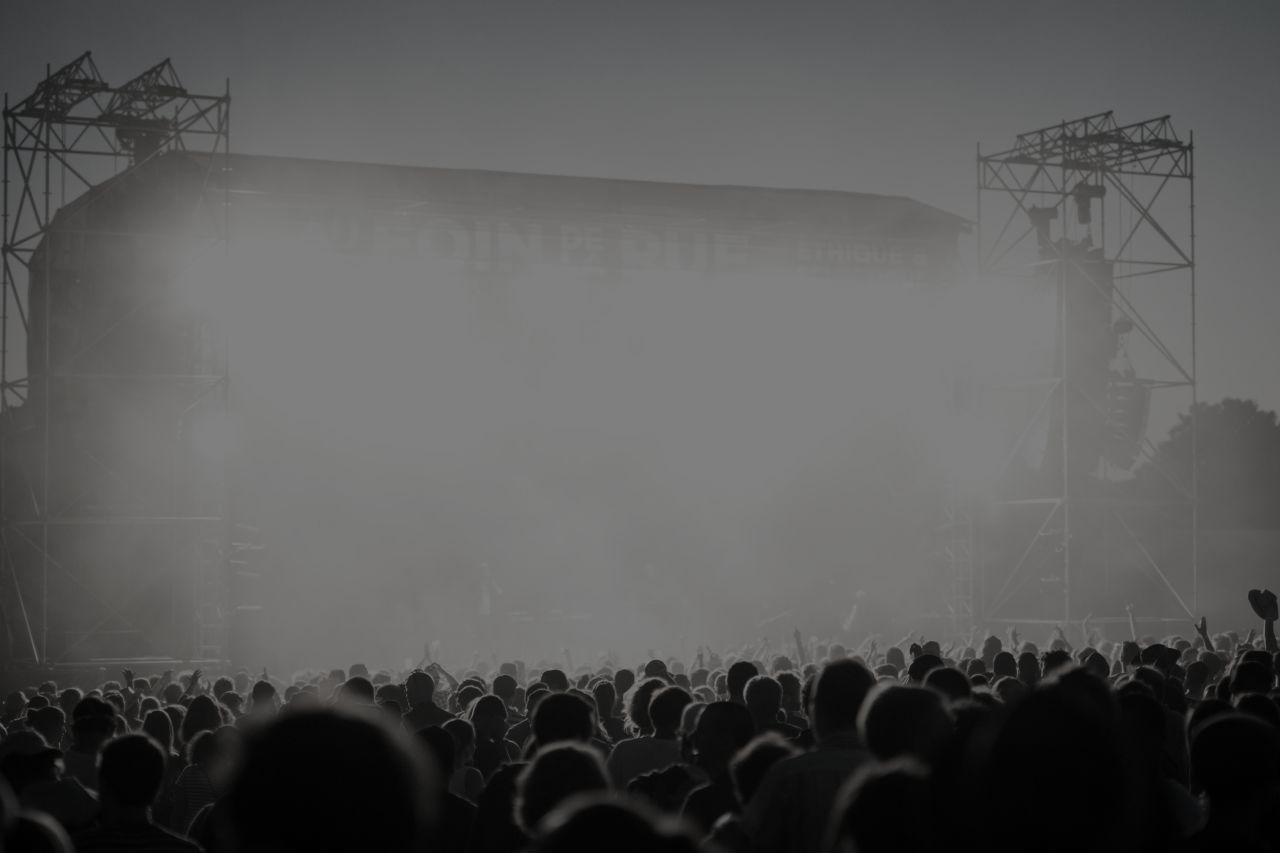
[1142, 745]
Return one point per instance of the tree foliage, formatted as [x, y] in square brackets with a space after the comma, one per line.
[1238, 450]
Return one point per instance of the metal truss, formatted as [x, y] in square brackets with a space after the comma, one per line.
[1123, 194]
[67, 146]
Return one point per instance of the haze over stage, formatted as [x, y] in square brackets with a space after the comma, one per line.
[602, 390]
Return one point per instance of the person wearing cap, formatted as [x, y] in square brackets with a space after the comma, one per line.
[93, 722]
[1236, 760]
[34, 770]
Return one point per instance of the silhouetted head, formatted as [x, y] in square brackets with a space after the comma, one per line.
[763, 697]
[50, 722]
[1004, 663]
[92, 722]
[558, 771]
[885, 807]
[606, 698]
[1056, 659]
[838, 694]
[330, 780]
[790, 683]
[1251, 677]
[159, 726]
[27, 759]
[203, 715]
[739, 674]
[420, 688]
[563, 716]
[504, 687]
[464, 737]
[899, 721]
[1235, 758]
[556, 680]
[1062, 745]
[749, 765]
[130, 770]
[665, 709]
[489, 717]
[923, 664]
[1009, 689]
[596, 822]
[1197, 675]
[949, 683]
[655, 669]
[1261, 706]
[1029, 669]
[722, 729]
[69, 698]
[356, 690]
[441, 748]
[623, 680]
[638, 704]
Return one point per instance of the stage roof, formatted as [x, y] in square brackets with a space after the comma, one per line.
[825, 210]
[520, 195]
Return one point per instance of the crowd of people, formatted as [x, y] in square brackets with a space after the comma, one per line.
[1145, 744]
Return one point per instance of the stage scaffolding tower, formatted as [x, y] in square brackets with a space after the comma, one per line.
[74, 585]
[1099, 216]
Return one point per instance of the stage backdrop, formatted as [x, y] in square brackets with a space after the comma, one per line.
[516, 413]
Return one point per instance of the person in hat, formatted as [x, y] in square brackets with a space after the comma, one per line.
[1267, 608]
[34, 770]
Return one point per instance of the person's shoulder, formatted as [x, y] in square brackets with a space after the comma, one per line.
[142, 839]
[698, 794]
[458, 806]
[795, 764]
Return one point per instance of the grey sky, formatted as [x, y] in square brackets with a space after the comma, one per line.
[874, 96]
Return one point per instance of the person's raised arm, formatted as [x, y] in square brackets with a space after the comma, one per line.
[801, 655]
[445, 674]
[1133, 624]
[126, 689]
[1060, 633]
[166, 678]
[1202, 628]
[1270, 612]
[193, 685]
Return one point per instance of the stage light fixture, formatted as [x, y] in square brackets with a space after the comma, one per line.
[1084, 194]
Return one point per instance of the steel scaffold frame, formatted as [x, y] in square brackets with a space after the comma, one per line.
[1130, 169]
[74, 134]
